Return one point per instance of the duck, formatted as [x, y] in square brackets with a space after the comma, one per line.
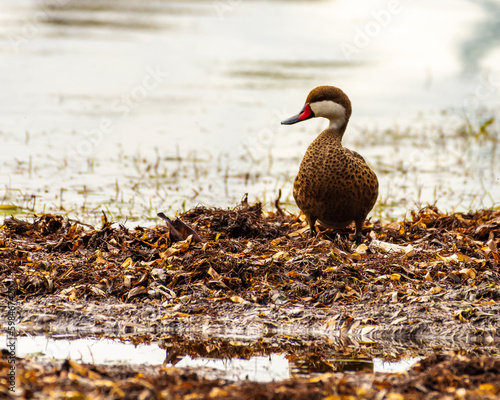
[334, 185]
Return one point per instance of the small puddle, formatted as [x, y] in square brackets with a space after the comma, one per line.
[274, 367]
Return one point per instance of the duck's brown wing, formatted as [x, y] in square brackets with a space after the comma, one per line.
[355, 154]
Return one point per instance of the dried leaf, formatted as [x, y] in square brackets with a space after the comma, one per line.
[127, 281]
[213, 273]
[127, 263]
[378, 245]
[460, 315]
[435, 290]
[136, 291]
[83, 371]
[97, 291]
[394, 297]
[362, 248]
[182, 315]
[216, 393]
[294, 274]
[394, 277]
[450, 259]
[187, 231]
[72, 296]
[237, 299]
[468, 272]
[176, 248]
[278, 255]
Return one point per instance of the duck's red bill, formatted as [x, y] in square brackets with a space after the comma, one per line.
[306, 113]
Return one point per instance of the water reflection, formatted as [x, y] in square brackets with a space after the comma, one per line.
[310, 365]
[256, 368]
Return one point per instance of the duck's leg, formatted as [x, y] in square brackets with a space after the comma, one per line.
[312, 226]
[359, 227]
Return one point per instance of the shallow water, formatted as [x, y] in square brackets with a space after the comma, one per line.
[257, 368]
[134, 107]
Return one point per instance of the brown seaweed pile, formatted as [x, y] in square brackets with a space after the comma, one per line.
[251, 255]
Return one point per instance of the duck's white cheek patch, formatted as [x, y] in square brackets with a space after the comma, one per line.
[331, 110]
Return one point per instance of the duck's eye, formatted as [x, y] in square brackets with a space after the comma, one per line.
[321, 98]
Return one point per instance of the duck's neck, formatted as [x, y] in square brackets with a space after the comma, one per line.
[338, 124]
[334, 133]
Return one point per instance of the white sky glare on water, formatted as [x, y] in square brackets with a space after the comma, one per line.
[83, 113]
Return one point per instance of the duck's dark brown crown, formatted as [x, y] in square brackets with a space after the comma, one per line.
[322, 93]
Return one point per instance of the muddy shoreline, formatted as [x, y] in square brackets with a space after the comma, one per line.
[423, 322]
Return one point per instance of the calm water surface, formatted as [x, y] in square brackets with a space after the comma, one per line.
[135, 107]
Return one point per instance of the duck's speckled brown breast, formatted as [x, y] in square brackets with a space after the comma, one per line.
[334, 184]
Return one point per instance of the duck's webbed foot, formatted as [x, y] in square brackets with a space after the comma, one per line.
[358, 236]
